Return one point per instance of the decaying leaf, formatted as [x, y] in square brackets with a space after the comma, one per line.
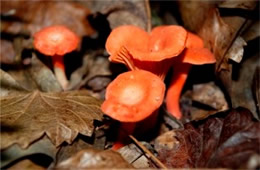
[7, 53]
[9, 85]
[240, 90]
[94, 159]
[93, 66]
[227, 140]
[223, 25]
[61, 116]
[211, 99]
[209, 94]
[67, 151]
[252, 32]
[236, 51]
[123, 12]
[26, 164]
[32, 16]
[33, 77]
[14, 153]
[218, 32]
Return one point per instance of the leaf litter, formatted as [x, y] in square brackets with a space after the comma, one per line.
[214, 140]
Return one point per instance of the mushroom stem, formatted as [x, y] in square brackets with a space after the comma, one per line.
[180, 74]
[127, 129]
[59, 71]
[122, 138]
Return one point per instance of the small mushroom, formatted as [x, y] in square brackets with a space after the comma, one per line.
[153, 51]
[132, 97]
[56, 41]
[193, 54]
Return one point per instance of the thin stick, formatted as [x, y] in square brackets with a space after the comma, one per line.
[148, 10]
[157, 161]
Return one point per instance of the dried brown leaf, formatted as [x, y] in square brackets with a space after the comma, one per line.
[209, 94]
[26, 164]
[223, 30]
[94, 159]
[9, 85]
[241, 86]
[224, 141]
[219, 33]
[252, 32]
[61, 116]
[7, 53]
[93, 66]
[69, 150]
[33, 77]
[123, 12]
[32, 16]
[14, 153]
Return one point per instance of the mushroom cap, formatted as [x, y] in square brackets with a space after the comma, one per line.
[55, 40]
[162, 43]
[133, 96]
[198, 56]
[195, 53]
[194, 41]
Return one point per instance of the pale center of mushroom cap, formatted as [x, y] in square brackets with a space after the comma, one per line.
[132, 95]
[56, 38]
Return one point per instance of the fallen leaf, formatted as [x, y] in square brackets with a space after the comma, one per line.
[80, 143]
[123, 12]
[218, 32]
[61, 116]
[223, 25]
[252, 32]
[240, 91]
[9, 85]
[35, 76]
[236, 51]
[32, 16]
[94, 65]
[26, 164]
[227, 140]
[15, 153]
[207, 99]
[209, 94]
[94, 159]
[7, 53]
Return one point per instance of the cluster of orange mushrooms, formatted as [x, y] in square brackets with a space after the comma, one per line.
[137, 94]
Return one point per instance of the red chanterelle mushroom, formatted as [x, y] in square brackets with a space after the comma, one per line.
[56, 41]
[148, 51]
[133, 96]
[193, 54]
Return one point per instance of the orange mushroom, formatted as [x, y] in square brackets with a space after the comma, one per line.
[132, 97]
[56, 41]
[148, 51]
[193, 54]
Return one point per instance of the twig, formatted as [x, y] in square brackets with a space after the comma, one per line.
[157, 161]
[148, 10]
